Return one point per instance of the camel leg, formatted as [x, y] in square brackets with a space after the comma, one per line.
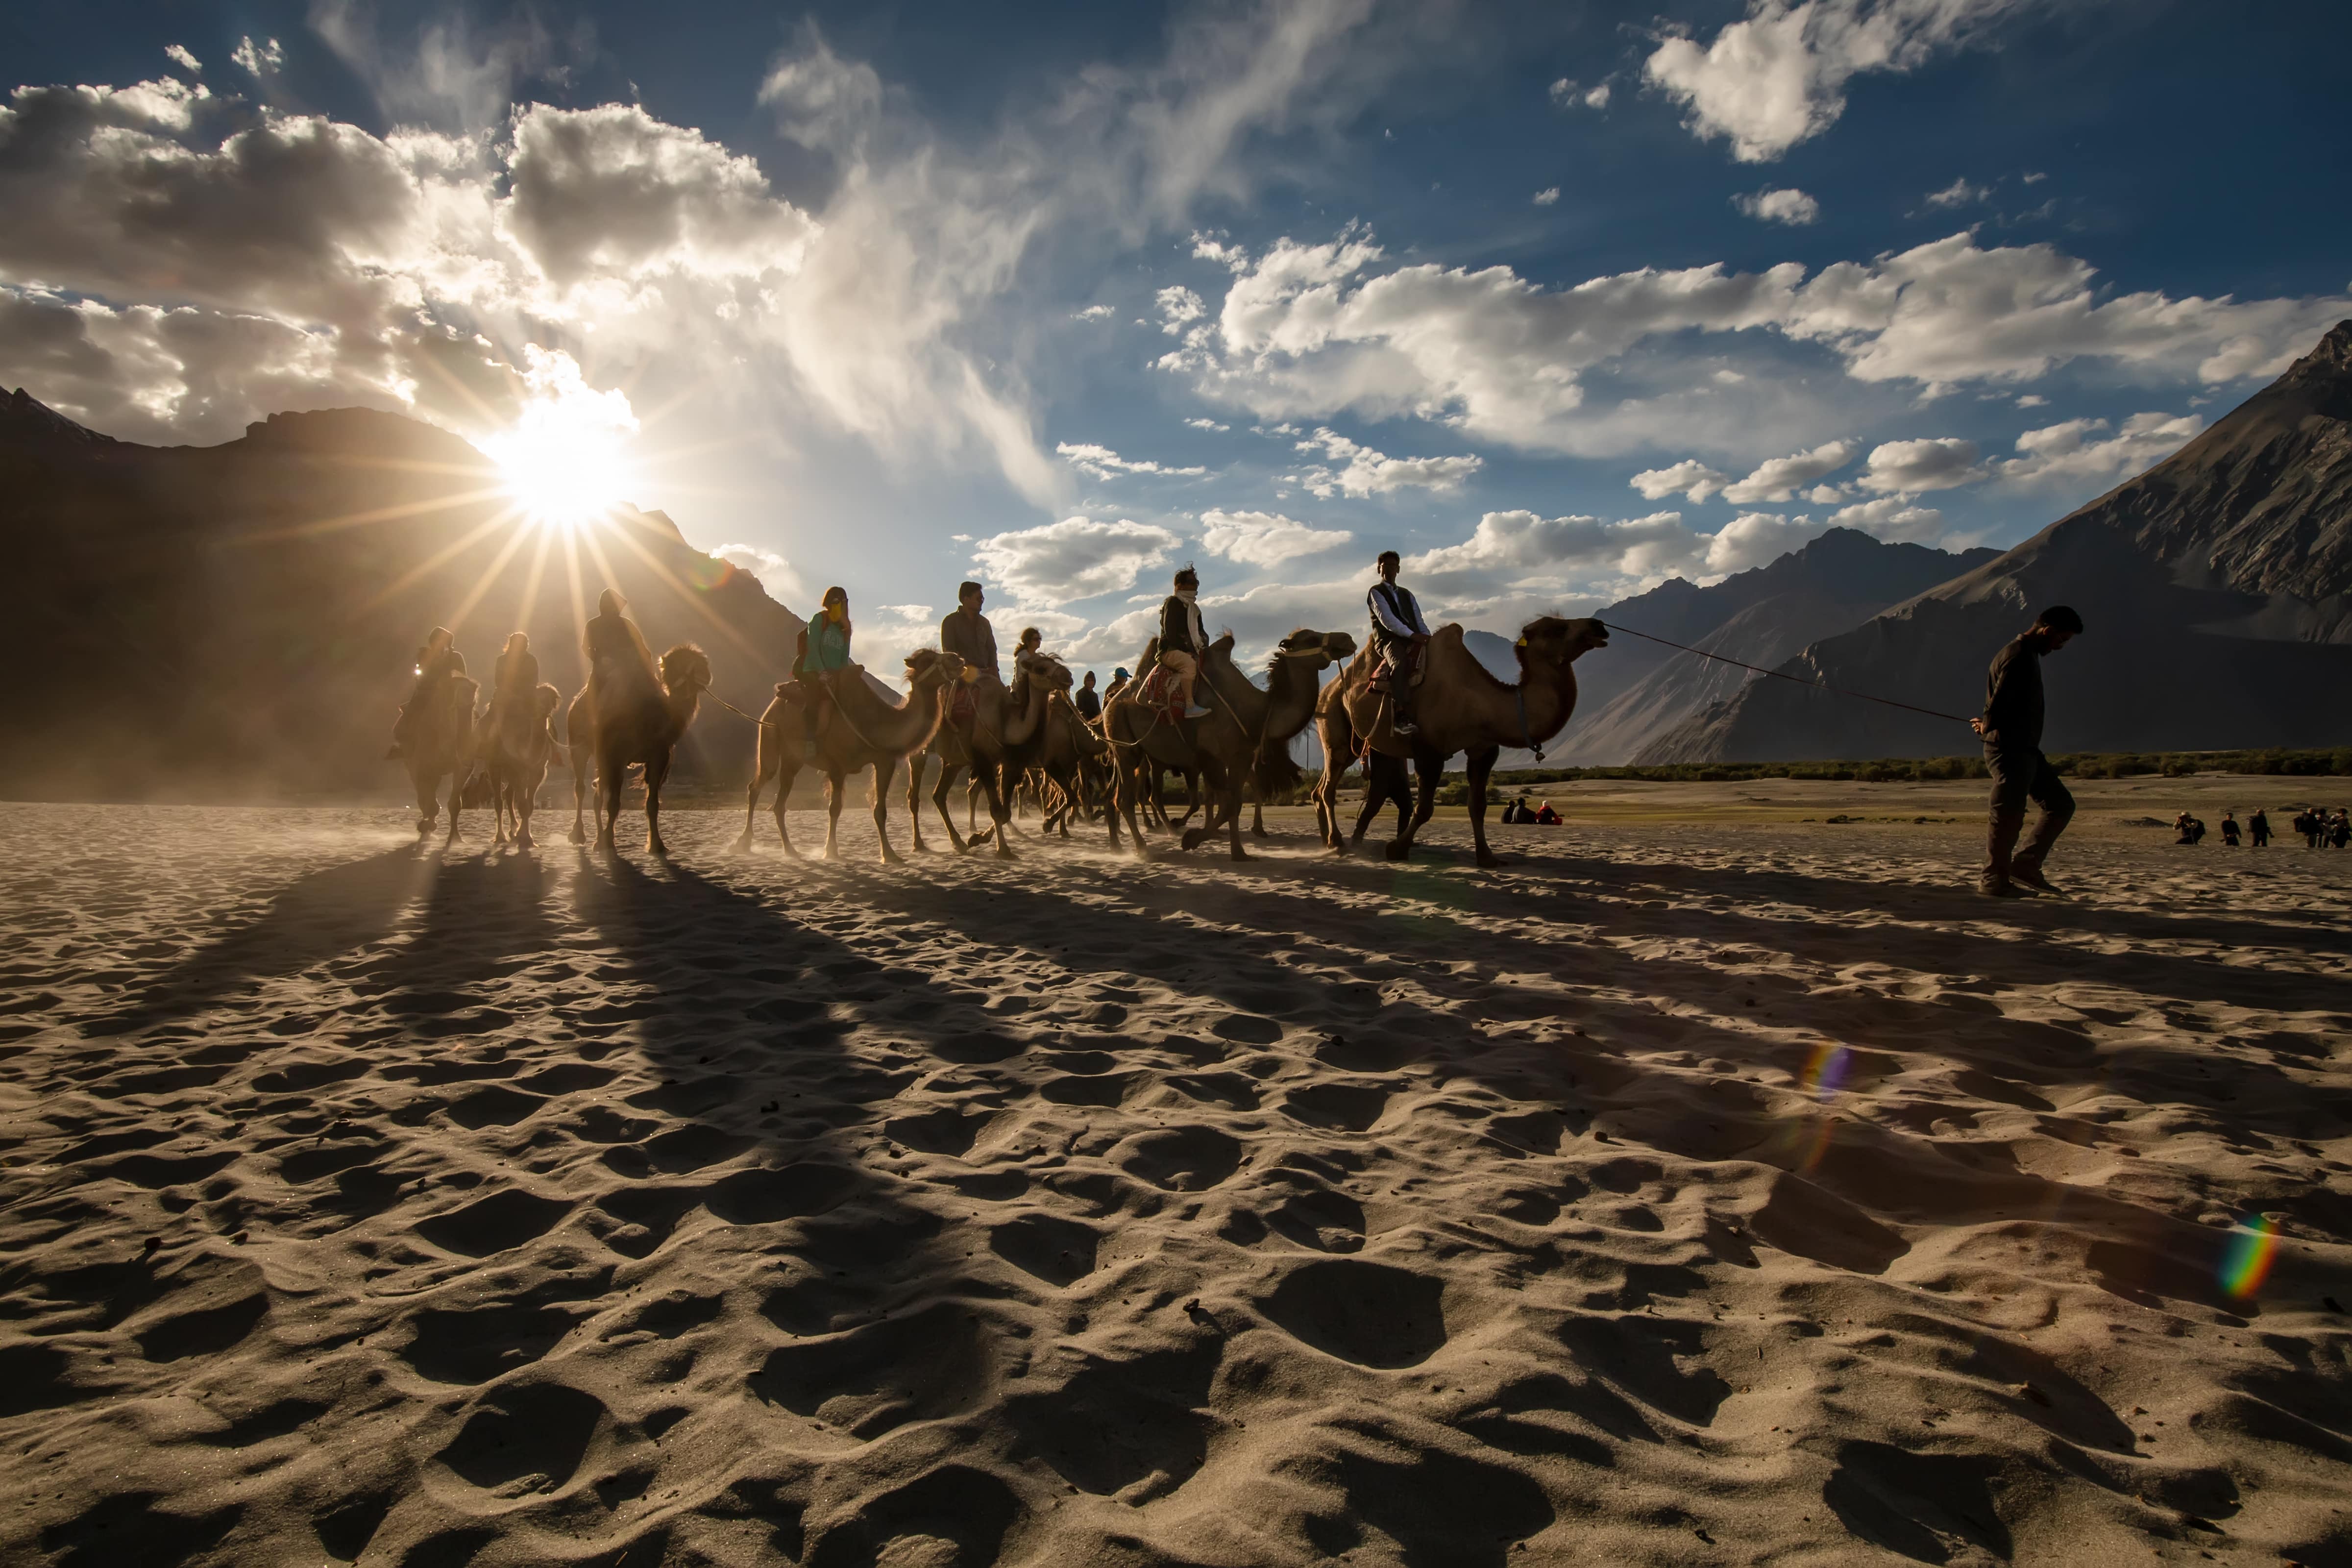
[762, 773]
[1233, 821]
[939, 799]
[1127, 790]
[882, 812]
[526, 801]
[1383, 782]
[580, 778]
[1407, 825]
[457, 777]
[1257, 819]
[656, 770]
[611, 775]
[999, 813]
[834, 788]
[1482, 764]
[428, 802]
[787, 772]
[914, 788]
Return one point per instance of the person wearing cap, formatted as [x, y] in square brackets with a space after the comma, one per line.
[2011, 728]
[1399, 634]
[1182, 639]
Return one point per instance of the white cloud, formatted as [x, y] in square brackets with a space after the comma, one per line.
[1370, 473]
[1508, 546]
[1790, 206]
[1077, 558]
[1207, 425]
[1547, 196]
[1092, 313]
[1756, 539]
[1688, 477]
[785, 584]
[1891, 517]
[1906, 468]
[1265, 538]
[1178, 306]
[1315, 330]
[265, 59]
[1105, 464]
[1565, 92]
[1598, 98]
[2070, 453]
[1781, 478]
[1959, 192]
[1779, 75]
[2032, 400]
[182, 56]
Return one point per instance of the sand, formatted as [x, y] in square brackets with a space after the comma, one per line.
[1685, 1193]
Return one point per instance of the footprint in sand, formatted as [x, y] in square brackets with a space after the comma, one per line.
[1179, 1159]
[494, 1223]
[1343, 1107]
[1372, 1314]
[525, 1438]
[1058, 1251]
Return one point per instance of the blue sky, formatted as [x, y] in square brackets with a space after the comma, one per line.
[1557, 300]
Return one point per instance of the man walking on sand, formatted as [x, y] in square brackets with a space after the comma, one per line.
[2011, 728]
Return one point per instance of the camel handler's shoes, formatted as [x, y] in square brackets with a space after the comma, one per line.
[2006, 889]
[2033, 879]
[1196, 711]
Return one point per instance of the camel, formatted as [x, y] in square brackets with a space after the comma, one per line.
[1071, 744]
[442, 744]
[1462, 709]
[862, 732]
[992, 736]
[631, 721]
[516, 752]
[1247, 733]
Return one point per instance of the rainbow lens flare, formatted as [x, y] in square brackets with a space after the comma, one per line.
[1824, 1070]
[2246, 1262]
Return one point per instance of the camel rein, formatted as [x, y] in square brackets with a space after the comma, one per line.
[839, 710]
[1777, 675]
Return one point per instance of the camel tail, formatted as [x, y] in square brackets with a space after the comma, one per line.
[1277, 775]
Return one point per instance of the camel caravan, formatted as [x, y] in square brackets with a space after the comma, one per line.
[1407, 697]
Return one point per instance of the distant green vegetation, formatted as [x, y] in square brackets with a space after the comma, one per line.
[2336, 762]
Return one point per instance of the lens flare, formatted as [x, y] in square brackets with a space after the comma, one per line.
[2246, 1261]
[1824, 1070]
[564, 459]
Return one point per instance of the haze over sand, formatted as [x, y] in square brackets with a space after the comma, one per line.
[1744, 1193]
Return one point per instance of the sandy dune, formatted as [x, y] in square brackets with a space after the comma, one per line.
[1750, 1194]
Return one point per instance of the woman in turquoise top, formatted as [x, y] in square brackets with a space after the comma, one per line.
[827, 650]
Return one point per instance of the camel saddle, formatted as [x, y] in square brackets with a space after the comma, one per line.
[1161, 693]
[1370, 708]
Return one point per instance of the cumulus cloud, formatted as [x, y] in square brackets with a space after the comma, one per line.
[1313, 330]
[262, 59]
[1756, 539]
[184, 58]
[1565, 93]
[1207, 425]
[1959, 192]
[1790, 206]
[2078, 450]
[1077, 558]
[1178, 307]
[1507, 546]
[1779, 75]
[1547, 196]
[1781, 478]
[1105, 464]
[1688, 477]
[785, 584]
[1365, 472]
[1907, 468]
[1092, 313]
[1265, 538]
[1894, 519]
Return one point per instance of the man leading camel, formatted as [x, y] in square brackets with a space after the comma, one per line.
[1182, 639]
[1399, 635]
[2011, 728]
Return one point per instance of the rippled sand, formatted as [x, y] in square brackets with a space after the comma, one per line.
[1750, 1194]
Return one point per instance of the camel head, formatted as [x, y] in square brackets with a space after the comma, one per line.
[1550, 642]
[1321, 650]
[928, 667]
[685, 668]
[1045, 669]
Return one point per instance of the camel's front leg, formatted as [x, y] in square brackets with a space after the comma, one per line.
[580, 780]
[763, 771]
[610, 776]
[1482, 764]
[525, 802]
[1408, 826]
[458, 778]
[832, 792]
[1233, 821]
[999, 814]
[428, 802]
[914, 796]
[940, 800]
[882, 811]
[656, 770]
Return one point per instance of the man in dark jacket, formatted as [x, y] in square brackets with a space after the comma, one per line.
[967, 634]
[1399, 636]
[1089, 701]
[1183, 640]
[2011, 728]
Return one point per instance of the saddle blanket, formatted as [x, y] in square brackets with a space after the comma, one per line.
[1161, 692]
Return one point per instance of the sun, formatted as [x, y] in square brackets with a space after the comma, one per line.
[565, 458]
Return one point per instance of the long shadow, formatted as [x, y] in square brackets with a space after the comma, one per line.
[311, 919]
[481, 917]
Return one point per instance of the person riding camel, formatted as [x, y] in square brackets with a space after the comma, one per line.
[616, 649]
[436, 662]
[515, 678]
[1182, 639]
[1030, 641]
[967, 634]
[1399, 636]
[826, 655]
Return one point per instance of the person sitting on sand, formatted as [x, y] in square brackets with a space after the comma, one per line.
[436, 662]
[2011, 728]
[1182, 639]
[1546, 816]
[828, 655]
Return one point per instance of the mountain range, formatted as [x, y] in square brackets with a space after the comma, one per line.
[238, 621]
[2216, 589]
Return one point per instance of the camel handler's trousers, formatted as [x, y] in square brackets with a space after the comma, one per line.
[1397, 655]
[2019, 777]
[1186, 667]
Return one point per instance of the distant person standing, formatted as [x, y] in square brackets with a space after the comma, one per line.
[2258, 829]
[2011, 729]
[2229, 831]
[1089, 701]
[2339, 832]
